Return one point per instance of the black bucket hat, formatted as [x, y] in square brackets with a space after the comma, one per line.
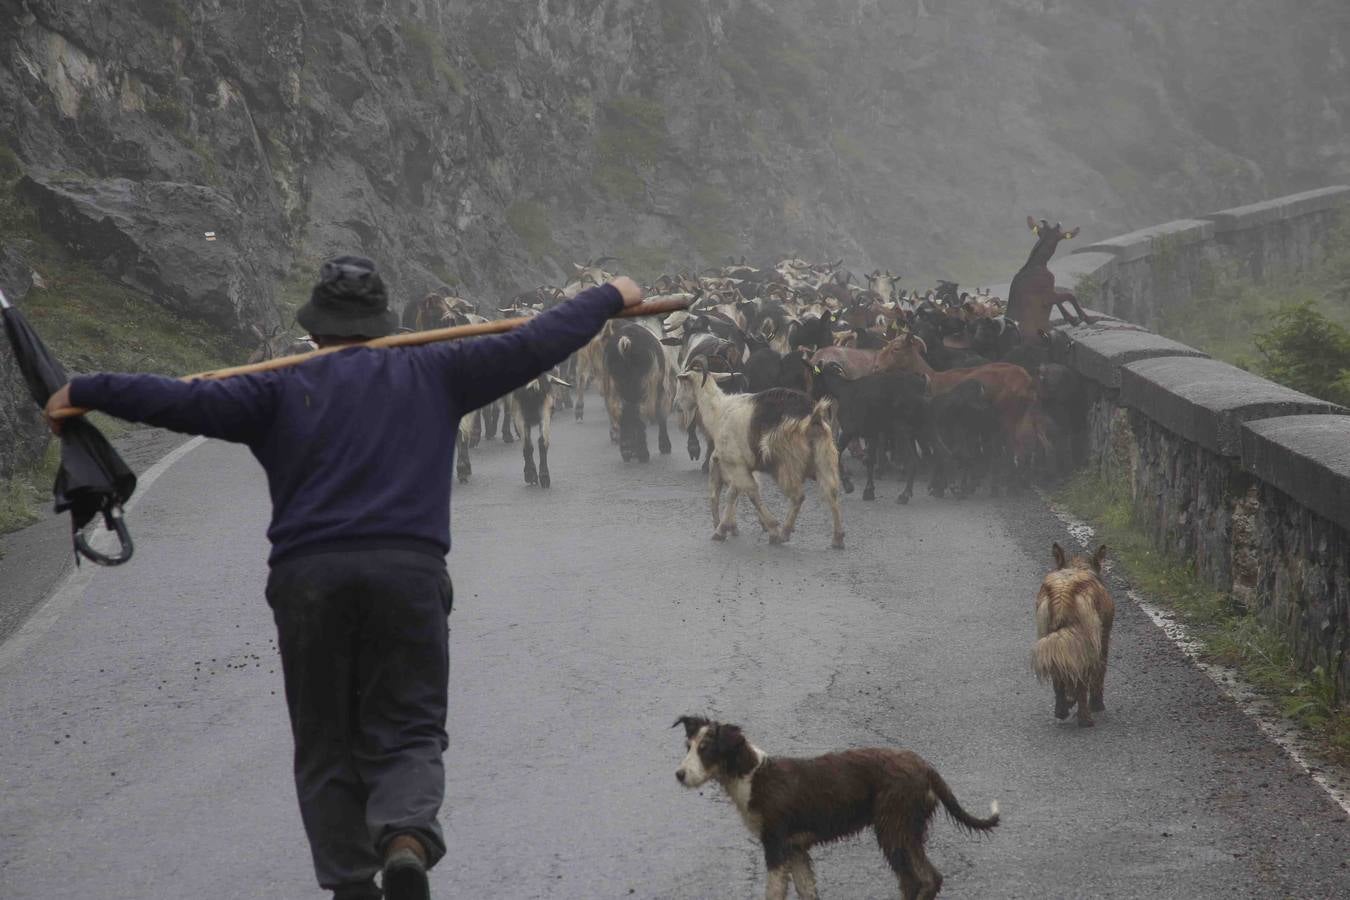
[348, 301]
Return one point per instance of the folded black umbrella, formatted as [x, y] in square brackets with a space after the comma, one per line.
[93, 480]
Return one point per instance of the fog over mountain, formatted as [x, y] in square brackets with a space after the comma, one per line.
[485, 145]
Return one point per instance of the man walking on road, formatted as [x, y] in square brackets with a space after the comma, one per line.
[357, 447]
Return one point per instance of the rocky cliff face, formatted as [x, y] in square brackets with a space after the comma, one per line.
[484, 146]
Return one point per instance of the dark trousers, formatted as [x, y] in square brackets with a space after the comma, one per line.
[365, 651]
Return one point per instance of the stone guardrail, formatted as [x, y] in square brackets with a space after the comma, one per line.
[1246, 477]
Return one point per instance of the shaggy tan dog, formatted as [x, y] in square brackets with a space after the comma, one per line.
[1074, 612]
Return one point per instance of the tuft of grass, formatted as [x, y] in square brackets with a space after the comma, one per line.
[23, 493]
[643, 262]
[633, 133]
[619, 183]
[1226, 633]
[530, 220]
[428, 48]
[707, 222]
[11, 167]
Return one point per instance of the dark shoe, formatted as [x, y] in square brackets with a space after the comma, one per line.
[405, 870]
[366, 890]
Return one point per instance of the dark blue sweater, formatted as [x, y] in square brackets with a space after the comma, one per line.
[357, 445]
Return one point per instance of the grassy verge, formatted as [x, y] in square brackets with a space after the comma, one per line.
[1226, 633]
[91, 323]
[1230, 314]
[24, 493]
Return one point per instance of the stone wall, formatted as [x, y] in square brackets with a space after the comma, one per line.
[1247, 478]
[1139, 275]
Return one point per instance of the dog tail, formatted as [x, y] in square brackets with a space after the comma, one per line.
[1071, 652]
[959, 815]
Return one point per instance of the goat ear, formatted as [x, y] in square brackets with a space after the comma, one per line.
[1031, 223]
[1098, 558]
[1071, 234]
[691, 724]
[1058, 551]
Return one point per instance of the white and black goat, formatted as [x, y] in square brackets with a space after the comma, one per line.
[531, 407]
[638, 389]
[780, 432]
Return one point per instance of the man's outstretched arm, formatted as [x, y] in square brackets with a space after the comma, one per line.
[483, 369]
[233, 409]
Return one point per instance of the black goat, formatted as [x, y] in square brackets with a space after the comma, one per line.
[638, 388]
[968, 429]
[887, 406]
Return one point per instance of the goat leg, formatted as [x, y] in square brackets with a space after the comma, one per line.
[873, 447]
[531, 474]
[844, 439]
[910, 460]
[663, 436]
[695, 450]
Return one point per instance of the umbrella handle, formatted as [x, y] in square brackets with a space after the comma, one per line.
[115, 524]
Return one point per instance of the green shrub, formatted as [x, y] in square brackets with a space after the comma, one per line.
[168, 111]
[1306, 351]
[10, 165]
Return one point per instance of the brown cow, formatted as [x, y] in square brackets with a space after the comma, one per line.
[1033, 293]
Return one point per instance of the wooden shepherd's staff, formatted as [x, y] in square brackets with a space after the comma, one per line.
[410, 339]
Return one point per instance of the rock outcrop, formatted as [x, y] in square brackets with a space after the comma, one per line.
[484, 146]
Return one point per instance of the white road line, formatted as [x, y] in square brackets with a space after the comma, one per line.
[72, 587]
[1256, 707]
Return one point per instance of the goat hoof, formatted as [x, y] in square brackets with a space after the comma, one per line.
[719, 536]
[544, 481]
[848, 487]
[664, 447]
[869, 493]
[903, 499]
[1061, 711]
[1098, 705]
[1085, 723]
[626, 454]
[837, 543]
[776, 538]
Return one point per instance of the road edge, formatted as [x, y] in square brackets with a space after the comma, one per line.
[73, 584]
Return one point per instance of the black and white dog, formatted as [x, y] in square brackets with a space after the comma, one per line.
[790, 805]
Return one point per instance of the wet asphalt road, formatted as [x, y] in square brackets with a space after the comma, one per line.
[145, 751]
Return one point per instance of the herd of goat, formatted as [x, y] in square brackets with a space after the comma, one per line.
[783, 369]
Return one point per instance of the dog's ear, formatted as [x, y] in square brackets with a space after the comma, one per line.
[691, 724]
[1098, 558]
[1060, 561]
[733, 751]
